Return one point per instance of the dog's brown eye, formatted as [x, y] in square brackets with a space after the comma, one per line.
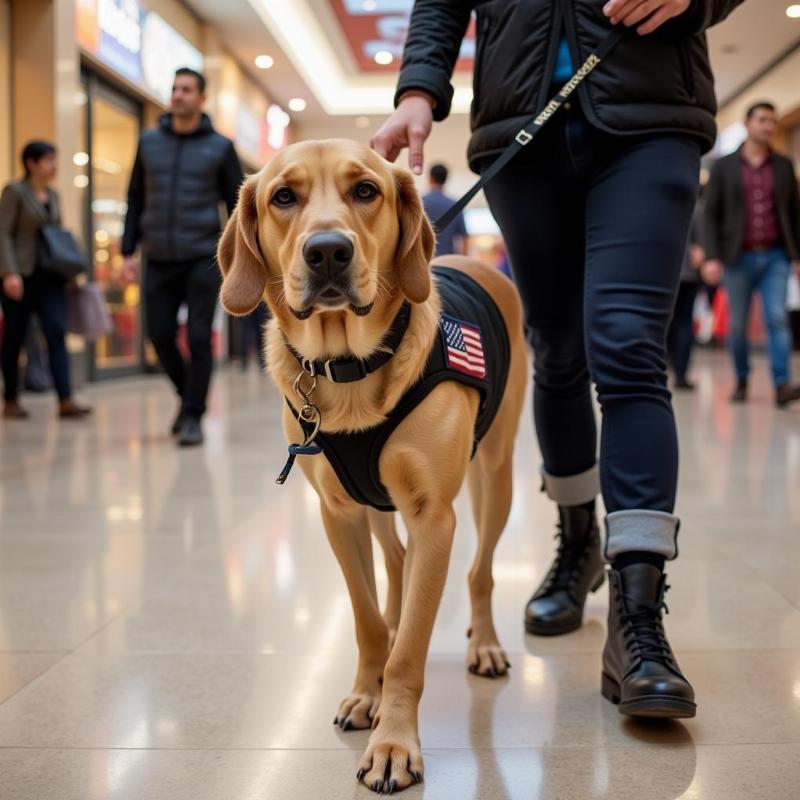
[365, 191]
[284, 197]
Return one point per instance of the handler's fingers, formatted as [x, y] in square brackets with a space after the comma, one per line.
[656, 21]
[615, 10]
[642, 11]
[416, 143]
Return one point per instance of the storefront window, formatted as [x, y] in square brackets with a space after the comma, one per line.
[114, 124]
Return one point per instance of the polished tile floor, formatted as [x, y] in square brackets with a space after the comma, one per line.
[174, 627]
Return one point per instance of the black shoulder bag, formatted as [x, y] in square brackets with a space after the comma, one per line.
[59, 254]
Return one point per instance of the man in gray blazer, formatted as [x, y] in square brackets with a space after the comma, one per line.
[753, 236]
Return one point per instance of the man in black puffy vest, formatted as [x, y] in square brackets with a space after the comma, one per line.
[184, 169]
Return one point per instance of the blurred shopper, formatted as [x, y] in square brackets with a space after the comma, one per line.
[453, 239]
[595, 214]
[680, 338]
[752, 237]
[25, 207]
[183, 170]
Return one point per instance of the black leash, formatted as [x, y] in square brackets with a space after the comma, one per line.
[526, 134]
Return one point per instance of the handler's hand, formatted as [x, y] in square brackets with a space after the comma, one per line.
[632, 12]
[409, 126]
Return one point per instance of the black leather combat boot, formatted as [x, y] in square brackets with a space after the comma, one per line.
[557, 605]
[640, 673]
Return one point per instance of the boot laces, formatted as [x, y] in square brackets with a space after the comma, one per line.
[566, 567]
[644, 630]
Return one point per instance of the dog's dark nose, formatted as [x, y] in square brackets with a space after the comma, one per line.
[329, 252]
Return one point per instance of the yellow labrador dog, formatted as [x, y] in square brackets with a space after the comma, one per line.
[336, 240]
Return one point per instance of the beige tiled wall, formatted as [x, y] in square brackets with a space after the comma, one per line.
[45, 82]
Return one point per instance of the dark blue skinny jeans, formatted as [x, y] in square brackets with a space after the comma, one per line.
[596, 227]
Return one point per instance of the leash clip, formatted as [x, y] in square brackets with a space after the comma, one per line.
[297, 386]
[309, 414]
[523, 137]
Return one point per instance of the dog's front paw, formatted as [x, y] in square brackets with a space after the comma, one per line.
[485, 656]
[357, 710]
[392, 760]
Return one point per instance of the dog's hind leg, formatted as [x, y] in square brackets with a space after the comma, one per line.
[385, 531]
[348, 532]
[490, 492]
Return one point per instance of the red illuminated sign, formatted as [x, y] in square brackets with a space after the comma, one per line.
[375, 28]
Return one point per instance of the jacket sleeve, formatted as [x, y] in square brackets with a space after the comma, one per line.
[133, 216]
[701, 15]
[712, 233]
[435, 34]
[229, 178]
[9, 215]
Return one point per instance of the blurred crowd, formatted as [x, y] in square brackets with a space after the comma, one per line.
[744, 243]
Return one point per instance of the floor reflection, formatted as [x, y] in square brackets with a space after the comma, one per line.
[173, 626]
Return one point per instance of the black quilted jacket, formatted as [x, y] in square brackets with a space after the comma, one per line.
[649, 84]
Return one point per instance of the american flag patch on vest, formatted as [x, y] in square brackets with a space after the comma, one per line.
[464, 347]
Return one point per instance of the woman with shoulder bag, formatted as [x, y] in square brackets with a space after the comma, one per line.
[26, 206]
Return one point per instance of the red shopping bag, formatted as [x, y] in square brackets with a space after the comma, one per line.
[721, 314]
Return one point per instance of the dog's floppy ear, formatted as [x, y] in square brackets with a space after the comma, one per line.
[239, 256]
[417, 241]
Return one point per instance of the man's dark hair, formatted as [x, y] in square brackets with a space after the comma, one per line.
[438, 174]
[201, 79]
[35, 151]
[765, 104]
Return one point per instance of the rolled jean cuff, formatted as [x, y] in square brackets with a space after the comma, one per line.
[572, 490]
[642, 531]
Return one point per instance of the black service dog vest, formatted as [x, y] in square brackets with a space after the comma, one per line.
[472, 348]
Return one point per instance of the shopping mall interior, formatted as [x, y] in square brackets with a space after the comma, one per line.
[175, 626]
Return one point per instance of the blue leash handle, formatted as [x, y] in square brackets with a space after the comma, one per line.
[309, 449]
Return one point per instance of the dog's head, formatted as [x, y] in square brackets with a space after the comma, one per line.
[326, 226]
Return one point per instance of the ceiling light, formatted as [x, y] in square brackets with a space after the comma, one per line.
[383, 57]
[264, 61]
[297, 104]
[300, 35]
[793, 11]
[362, 122]
[369, 5]
[80, 159]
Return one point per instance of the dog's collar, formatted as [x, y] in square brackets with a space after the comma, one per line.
[348, 369]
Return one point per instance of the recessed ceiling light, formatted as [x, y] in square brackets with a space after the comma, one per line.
[383, 57]
[297, 104]
[80, 159]
[264, 61]
[362, 122]
[793, 11]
